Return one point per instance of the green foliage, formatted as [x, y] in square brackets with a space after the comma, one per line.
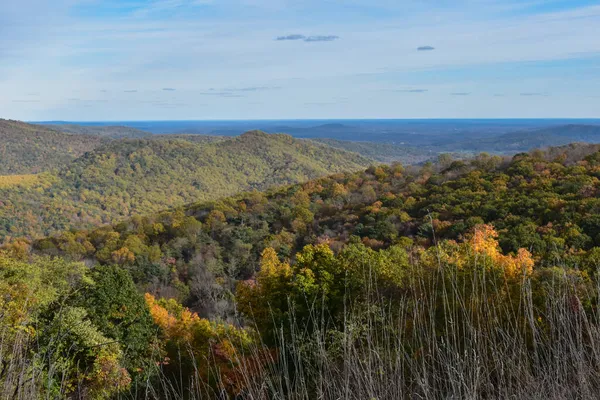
[50, 339]
[112, 132]
[132, 177]
[31, 149]
[198, 254]
[451, 249]
[119, 311]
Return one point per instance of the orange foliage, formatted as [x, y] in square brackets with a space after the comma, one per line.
[123, 256]
[224, 344]
[484, 242]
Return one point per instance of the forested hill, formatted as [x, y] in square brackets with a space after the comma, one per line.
[27, 149]
[545, 201]
[112, 132]
[139, 176]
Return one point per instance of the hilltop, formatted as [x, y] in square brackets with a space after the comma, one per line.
[127, 177]
[27, 149]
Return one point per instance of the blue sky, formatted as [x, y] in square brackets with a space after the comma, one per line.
[276, 59]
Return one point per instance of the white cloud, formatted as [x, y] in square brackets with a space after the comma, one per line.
[195, 47]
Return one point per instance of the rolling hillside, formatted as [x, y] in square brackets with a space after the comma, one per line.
[138, 176]
[112, 132]
[544, 201]
[27, 149]
[509, 242]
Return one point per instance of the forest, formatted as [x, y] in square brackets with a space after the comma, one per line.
[29, 149]
[122, 178]
[461, 278]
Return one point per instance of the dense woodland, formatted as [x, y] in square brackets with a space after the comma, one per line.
[473, 278]
[141, 176]
[28, 149]
[111, 132]
[545, 202]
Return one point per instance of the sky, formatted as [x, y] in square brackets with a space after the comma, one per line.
[96, 60]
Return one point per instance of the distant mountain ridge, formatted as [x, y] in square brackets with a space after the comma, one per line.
[381, 152]
[529, 139]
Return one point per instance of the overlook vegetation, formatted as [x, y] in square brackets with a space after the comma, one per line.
[545, 202]
[264, 267]
[139, 176]
[457, 279]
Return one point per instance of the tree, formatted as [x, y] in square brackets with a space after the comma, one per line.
[119, 311]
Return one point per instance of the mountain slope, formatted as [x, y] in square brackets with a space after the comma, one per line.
[112, 132]
[546, 202]
[129, 177]
[26, 148]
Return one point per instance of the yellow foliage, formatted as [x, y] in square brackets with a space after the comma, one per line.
[7, 181]
[200, 338]
[123, 256]
[484, 242]
[271, 266]
[108, 377]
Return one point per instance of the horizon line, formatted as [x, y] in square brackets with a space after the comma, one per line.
[320, 119]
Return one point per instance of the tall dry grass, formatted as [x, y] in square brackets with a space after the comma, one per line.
[451, 342]
[449, 336]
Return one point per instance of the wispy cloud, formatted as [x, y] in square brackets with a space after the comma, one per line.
[130, 91]
[252, 89]
[460, 94]
[168, 89]
[411, 90]
[313, 104]
[236, 92]
[315, 38]
[166, 104]
[326, 38]
[222, 44]
[220, 94]
[534, 94]
[291, 37]
[78, 100]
